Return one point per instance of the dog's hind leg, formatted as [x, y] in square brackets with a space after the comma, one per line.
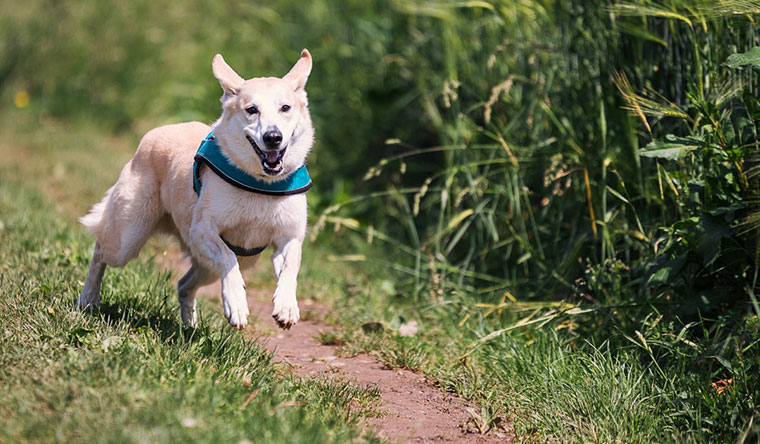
[196, 277]
[129, 213]
[90, 295]
[122, 222]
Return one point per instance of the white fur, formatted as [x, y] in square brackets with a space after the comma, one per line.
[154, 192]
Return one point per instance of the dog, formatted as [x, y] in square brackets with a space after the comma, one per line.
[264, 134]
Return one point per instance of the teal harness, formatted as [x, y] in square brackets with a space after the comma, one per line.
[210, 155]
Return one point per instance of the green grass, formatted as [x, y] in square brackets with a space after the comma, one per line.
[657, 387]
[129, 372]
[563, 194]
[132, 367]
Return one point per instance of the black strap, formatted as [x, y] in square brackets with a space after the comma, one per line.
[201, 160]
[240, 251]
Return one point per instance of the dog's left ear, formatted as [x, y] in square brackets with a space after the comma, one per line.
[299, 73]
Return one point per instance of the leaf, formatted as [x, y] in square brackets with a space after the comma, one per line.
[751, 58]
[712, 230]
[111, 341]
[671, 148]
[578, 310]
[667, 272]
[725, 363]
[81, 336]
[637, 10]
[638, 31]
[456, 220]
[616, 194]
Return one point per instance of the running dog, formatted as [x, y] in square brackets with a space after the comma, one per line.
[226, 192]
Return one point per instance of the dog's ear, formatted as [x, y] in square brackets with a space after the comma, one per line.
[299, 73]
[228, 78]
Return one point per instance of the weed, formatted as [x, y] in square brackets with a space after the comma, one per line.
[402, 353]
[331, 337]
[485, 421]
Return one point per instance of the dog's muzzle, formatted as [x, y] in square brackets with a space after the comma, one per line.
[271, 160]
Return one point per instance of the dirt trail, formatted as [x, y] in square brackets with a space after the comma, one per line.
[414, 410]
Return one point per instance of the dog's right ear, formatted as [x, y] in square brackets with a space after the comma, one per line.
[228, 78]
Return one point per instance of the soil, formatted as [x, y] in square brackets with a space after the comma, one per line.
[412, 410]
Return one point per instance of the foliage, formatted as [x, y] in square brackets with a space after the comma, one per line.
[565, 192]
[539, 202]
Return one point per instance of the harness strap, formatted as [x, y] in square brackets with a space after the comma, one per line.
[210, 155]
[240, 251]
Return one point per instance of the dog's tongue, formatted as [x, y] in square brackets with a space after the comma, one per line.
[273, 157]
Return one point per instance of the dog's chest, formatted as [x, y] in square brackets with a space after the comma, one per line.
[251, 220]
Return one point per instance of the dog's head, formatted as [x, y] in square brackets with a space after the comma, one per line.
[265, 127]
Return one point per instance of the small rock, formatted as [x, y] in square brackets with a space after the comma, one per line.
[408, 329]
[189, 422]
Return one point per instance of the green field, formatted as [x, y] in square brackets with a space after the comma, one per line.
[562, 194]
[130, 372]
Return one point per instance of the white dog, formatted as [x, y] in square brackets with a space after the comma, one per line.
[241, 192]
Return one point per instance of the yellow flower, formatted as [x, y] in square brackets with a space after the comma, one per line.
[21, 99]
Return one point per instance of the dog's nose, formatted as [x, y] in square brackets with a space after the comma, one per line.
[272, 138]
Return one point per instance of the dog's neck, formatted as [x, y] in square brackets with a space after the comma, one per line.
[210, 154]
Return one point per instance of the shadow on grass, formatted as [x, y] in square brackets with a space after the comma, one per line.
[215, 341]
[143, 302]
[153, 307]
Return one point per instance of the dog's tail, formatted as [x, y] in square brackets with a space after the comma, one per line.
[93, 220]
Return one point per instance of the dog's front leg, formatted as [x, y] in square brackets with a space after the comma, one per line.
[286, 261]
[208, 248]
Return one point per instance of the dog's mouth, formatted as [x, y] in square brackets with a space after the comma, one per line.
[271, 160]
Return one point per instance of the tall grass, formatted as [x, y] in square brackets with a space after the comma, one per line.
[577, 144]
[538, 155]
[589, 175]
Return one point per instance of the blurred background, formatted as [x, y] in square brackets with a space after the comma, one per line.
[587, 164]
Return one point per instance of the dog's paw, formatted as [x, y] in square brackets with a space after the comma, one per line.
[88, 301]
[188, 314]
[236, 308]
[286, 312]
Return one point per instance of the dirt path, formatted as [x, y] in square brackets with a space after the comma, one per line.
[415, 411]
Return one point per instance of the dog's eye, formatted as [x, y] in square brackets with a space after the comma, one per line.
[252, 110]
[285, 108]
